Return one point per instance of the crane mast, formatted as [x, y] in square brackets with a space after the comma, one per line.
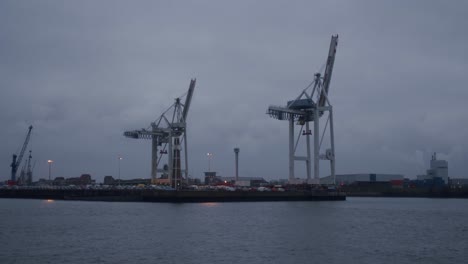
[25, 177]
[188, 100]
[17, 159]
[29, 170]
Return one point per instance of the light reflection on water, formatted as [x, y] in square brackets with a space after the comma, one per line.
[209, 204]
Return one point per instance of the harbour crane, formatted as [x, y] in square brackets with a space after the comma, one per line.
[168, 131]
[25, 177]
[29, 170]
[17, 158]
[309, 106]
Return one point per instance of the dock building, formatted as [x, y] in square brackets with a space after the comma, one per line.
[346, 179]
[212, 179]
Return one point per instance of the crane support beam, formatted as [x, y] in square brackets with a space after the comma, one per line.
[291, 150]
[154, 154]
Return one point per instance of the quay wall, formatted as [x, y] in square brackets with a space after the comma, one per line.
[170, 196]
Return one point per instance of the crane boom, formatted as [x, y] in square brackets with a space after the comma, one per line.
[188, 99]
[16, 162]
[328, 70]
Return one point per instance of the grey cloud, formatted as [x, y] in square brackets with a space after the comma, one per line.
[84, 72]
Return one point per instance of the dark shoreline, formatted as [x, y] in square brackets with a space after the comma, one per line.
[459, 195]
[172, 196]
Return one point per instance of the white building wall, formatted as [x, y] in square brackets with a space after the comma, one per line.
[361, 177]
[439, 168]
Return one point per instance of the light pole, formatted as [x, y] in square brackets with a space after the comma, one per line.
[120, 158]
[50, 166]
[209, 155]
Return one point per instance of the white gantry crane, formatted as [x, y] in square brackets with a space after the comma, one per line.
[168, 132]
[309, 106]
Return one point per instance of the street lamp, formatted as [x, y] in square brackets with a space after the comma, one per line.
[50, 165]
[120, 158]
[209, 155]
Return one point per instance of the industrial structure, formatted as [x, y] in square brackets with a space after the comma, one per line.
[308, 107]
[439, 169]
[236, 152]
[18, 158]
[169, 131]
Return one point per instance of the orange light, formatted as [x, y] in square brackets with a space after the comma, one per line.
[209, 204]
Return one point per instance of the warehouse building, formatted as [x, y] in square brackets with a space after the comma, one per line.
[346, 179]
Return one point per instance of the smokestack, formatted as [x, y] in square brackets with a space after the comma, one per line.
[236, 150]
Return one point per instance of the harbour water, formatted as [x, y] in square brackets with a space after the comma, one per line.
[359, 230]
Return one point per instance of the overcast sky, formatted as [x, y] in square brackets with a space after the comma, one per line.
[83, 72]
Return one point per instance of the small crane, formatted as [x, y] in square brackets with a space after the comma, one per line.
[17, 159]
